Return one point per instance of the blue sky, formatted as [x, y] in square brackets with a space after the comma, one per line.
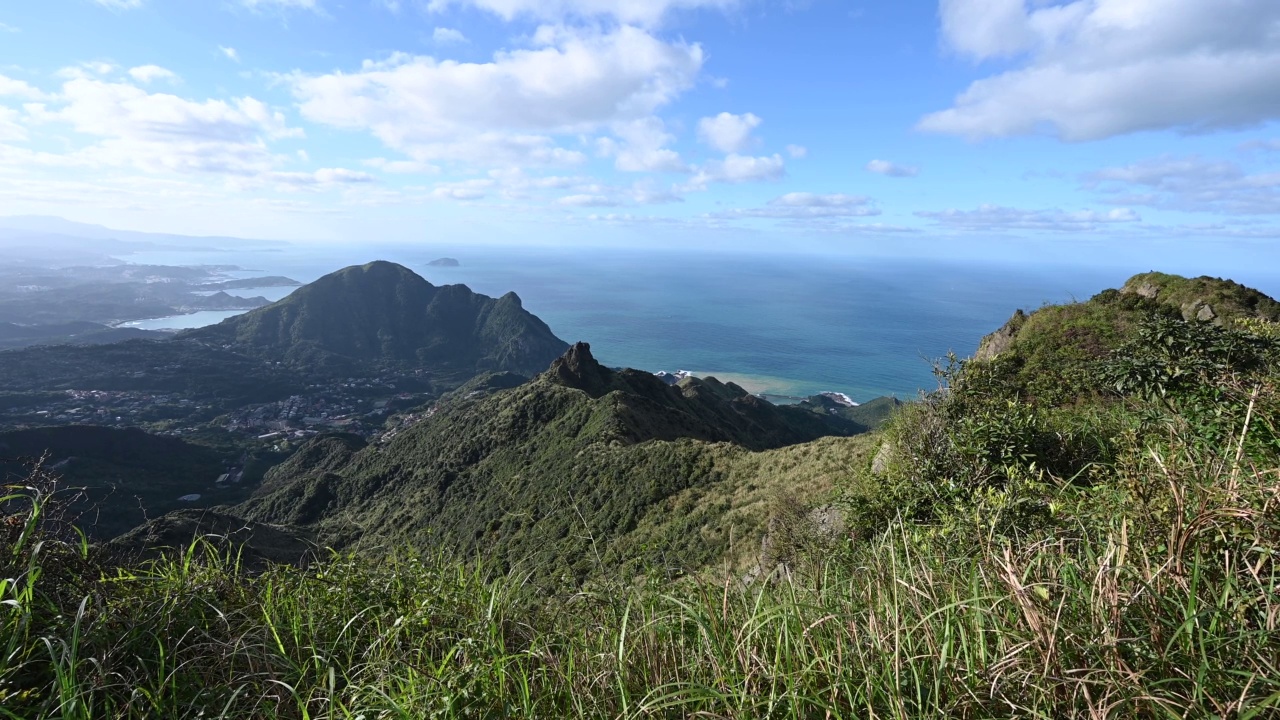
[1077, 128]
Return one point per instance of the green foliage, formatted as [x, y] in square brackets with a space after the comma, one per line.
[583, 472]
[1166, 608]
[999, 451]
[1227, 300]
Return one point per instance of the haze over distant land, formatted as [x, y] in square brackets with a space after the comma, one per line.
[1084, 129]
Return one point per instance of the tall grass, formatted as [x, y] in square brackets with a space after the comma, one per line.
[1168, 609]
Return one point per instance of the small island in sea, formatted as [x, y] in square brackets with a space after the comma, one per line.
[444, 262]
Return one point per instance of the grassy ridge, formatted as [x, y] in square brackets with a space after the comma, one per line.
[1086, 625]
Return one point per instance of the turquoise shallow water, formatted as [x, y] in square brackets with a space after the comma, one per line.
[787, 325]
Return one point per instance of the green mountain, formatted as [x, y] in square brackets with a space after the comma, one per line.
[582, 468]
[385, 313]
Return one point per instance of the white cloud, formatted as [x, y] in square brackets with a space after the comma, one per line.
[8, 28]
[86, 70]
[809, 206]
[1190, 184]
[997, 218]
[640, 12]
[892, 169]
[643, 147]
[447, 36]
[160, 132]
[149, 73]
[119, 4]
[738, 169]
[797, 152]
[229, 53]
[986, 28]
[10, 130]
[727, 132]
[571, 82]
[18, 88]
[1090, 69]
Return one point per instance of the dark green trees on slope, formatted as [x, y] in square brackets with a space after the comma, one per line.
[579, 470]
[385, 313]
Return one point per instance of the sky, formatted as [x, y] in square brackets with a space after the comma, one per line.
[1069, 128]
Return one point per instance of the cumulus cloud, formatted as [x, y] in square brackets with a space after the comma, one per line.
[1191, 184]
[163, 132]
[640, 12]
[10, 87]
[727, 132]
[571, 82]
[892, 169]
[738, 169]
[229, 53]
[996, 218]
[147, 74]
[642, 147]
[1090, 69]
[797, 152]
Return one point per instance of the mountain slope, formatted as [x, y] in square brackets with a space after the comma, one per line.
[119, 478]
[563, 472]
[1052, 351]
[384, 313]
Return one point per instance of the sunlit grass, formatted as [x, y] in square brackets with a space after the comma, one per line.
[1088, 626]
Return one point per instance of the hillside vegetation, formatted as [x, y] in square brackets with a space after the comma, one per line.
[385, 313]
[582, 472]
[1083, 521]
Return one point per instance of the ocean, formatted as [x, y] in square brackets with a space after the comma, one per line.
[779, 324]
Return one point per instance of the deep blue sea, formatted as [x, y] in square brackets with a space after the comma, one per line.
[786, 325]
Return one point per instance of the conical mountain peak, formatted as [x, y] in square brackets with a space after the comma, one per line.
[383, 312]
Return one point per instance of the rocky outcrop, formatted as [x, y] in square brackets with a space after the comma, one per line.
[578, 369]
[1001, 340]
